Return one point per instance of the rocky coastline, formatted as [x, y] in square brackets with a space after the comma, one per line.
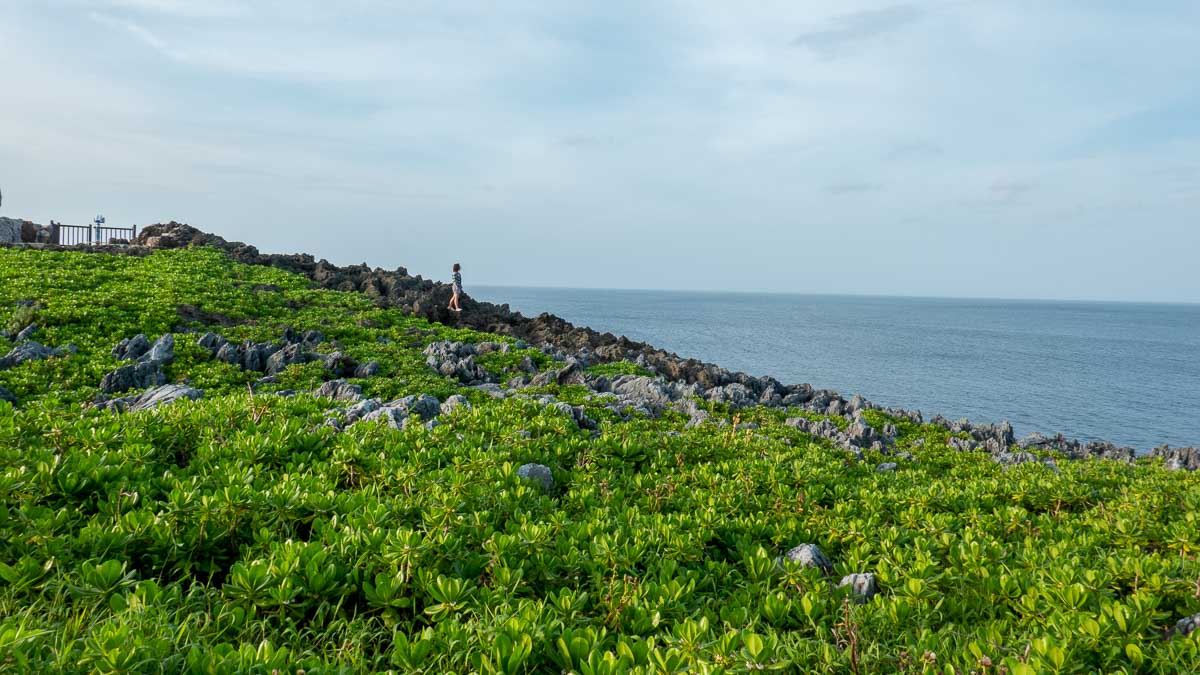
[675, 382]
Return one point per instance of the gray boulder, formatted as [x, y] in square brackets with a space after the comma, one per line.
[453, 403]
[426, 406]
[289, 355]
[862, 586]
[538, 473]
[132, 348]
[340, 390]
[152, 398]
[162, 351]
[886, 466]
[26, 333]
[810, 555]
[1178, 459]
[1186, 626]
[576, 413]
[133, 376]
[28, 351]
[339, 364]
[211, 342]
[393, 416]
[368, 369]
[734, 395]
[6, 395]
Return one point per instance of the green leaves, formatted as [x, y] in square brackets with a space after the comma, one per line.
[238, 534]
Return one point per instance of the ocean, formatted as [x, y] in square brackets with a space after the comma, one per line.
[1124, 372]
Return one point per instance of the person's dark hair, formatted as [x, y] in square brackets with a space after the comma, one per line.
[456, 267]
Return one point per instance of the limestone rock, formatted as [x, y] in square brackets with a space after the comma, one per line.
[810, 555]
[538, 473]
[1178, 459]
[340, 390]
[133, 376]
[28, 351]
[453, 403]
[862, 586]
[368, 369]
[130, 349]
[1186, 626]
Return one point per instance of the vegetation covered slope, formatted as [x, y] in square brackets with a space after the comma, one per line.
[240, 533]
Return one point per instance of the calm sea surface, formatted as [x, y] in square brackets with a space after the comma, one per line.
[1129, 373]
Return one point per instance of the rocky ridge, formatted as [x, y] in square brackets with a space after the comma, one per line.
[675, 384]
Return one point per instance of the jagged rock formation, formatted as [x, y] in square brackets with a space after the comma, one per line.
[584, 347]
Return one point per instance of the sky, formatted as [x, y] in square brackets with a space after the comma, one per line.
[967, 148]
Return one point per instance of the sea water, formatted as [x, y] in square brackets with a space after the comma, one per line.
[1124, 372]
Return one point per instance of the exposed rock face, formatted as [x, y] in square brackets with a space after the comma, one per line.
[457, 360]
[810, 555]
[148, 371]
[133, 376]
[152, 398]
[1178, 459]
[340, 390]
[453, 403]
[26, 333]
[131, 348]
[368, 369]
[10, 231]
[537, 473]
[862, 586]
[28, 351]
[1186, 626]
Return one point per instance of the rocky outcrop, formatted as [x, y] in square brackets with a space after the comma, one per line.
[457, 360]
[340, 390]
[862, 586]
[148, 369]
[858, 436]
[152, 398]
[1178, 459]
[1074, 449]
[26, 352]
[810, 555]
[133, 376]
[539, 474]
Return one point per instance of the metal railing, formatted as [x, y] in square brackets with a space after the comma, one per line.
[84, 235]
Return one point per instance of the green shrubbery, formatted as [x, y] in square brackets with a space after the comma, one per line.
[237, 534]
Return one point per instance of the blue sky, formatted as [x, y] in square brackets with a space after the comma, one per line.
[993, 148]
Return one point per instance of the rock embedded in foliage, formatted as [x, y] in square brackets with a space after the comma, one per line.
[6, 395]
[424, 405]
[290, 355]
[340, 390]
[26, 333]
[152, 398]
[212, 342]
[810, 555]
[26, 352]
[1186, 626]
[862, 586]
[129, 349]
[339, 364]
[1178, 459]
[538, 473]
[133, 376]
[368, 369]
[162, 351]
[886, 466]
[453, 403]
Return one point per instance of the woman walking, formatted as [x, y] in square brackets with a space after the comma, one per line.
[457, 289]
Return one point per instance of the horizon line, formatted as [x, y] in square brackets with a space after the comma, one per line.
[890, 296]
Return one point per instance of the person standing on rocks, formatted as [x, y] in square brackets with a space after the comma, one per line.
[456, 288]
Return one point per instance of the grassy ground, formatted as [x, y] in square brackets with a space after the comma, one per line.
[238, 534]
